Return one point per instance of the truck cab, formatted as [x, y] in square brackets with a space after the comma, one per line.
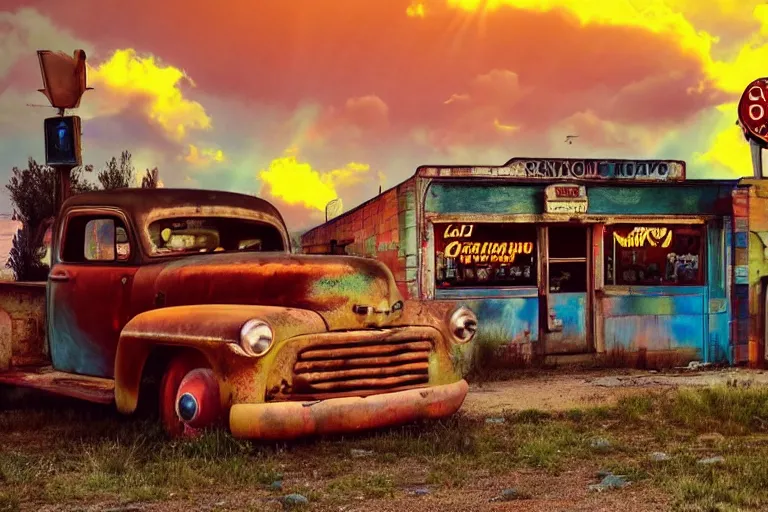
[197, 291]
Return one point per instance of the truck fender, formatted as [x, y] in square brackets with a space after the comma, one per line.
[208, 329]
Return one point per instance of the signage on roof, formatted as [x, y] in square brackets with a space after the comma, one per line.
[568, 168]
[564, 169]
[753, 111]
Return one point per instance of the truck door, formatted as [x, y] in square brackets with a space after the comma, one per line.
[89, 291]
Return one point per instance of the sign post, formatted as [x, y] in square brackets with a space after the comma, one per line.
[64, 82]
[753, 119]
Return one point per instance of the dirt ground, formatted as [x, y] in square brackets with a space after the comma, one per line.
[564, 391]
[307, 468]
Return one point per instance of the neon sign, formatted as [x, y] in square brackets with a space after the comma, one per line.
[487, 252]
[462, 231]
[642, 236]
[468, 251]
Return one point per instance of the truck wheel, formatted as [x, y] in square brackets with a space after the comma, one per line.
[178, 367]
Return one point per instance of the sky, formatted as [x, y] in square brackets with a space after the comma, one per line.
[304, 101]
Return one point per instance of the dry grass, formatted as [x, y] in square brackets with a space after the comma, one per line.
[74, 454]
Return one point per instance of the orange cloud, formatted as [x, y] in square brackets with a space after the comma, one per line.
[359, 116]
[477, 115]
[128, 76]
[297, 183]
[646, 102]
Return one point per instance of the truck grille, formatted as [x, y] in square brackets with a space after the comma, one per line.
[361, 368]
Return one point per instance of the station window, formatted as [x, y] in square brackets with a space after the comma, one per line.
[485, 255]
[661, 255]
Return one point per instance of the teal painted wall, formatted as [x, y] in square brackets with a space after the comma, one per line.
[654, 318]
[509, 198]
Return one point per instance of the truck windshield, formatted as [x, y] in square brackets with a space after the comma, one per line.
[212, 234]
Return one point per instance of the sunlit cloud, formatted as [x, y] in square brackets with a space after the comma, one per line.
[203, 157]
[129, 76]
[298, 183]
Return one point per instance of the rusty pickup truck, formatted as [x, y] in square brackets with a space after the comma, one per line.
[191, 301]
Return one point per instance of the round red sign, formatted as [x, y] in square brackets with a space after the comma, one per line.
[753, 111]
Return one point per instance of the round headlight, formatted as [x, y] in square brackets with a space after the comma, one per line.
[463, 325]
[256, 337]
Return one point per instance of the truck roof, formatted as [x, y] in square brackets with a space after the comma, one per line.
[139, 202]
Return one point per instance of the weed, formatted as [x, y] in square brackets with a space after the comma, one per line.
[448, 472]
[720, 409]
[9, 501]
[635, 407]
[547, 445]
[530, 416]
[372, 486]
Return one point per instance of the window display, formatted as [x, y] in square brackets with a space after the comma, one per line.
[654, 255]
[487, 254]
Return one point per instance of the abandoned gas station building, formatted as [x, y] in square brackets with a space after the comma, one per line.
[565, 257]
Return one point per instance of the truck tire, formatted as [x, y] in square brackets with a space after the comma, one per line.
[178, 366]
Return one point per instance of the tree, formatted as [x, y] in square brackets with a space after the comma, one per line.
[32, 193]
[151, 178]
[25, 258]
[117, 174]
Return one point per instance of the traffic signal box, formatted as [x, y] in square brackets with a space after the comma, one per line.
[62, 141]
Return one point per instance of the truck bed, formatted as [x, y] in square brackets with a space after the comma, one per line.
[22, 325]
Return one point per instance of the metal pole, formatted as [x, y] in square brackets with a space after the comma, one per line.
[757, 158]
[63, 185]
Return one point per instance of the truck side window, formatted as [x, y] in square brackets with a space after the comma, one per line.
[96, 239]
[100, 240]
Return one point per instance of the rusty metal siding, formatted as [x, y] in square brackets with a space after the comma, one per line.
[718, 349]
[655, 318]
[679, 319]
[750, 271]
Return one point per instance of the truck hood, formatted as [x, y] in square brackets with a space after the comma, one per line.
[347, 292]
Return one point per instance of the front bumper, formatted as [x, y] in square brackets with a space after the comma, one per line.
[290, 420]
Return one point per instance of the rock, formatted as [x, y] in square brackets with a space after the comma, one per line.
[610, 482]
[277, 485]
[711, 460]
[294, 500]
[713, 437]
[421, 491]
[495, 421]
[360, 453]
[600, 444]
[509, 495]
[659, 457]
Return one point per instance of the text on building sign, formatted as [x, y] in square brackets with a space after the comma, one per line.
[566, 207]
[641, 236]
[641, 170]
[493, 252]
[460, 231]
[566, 192]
